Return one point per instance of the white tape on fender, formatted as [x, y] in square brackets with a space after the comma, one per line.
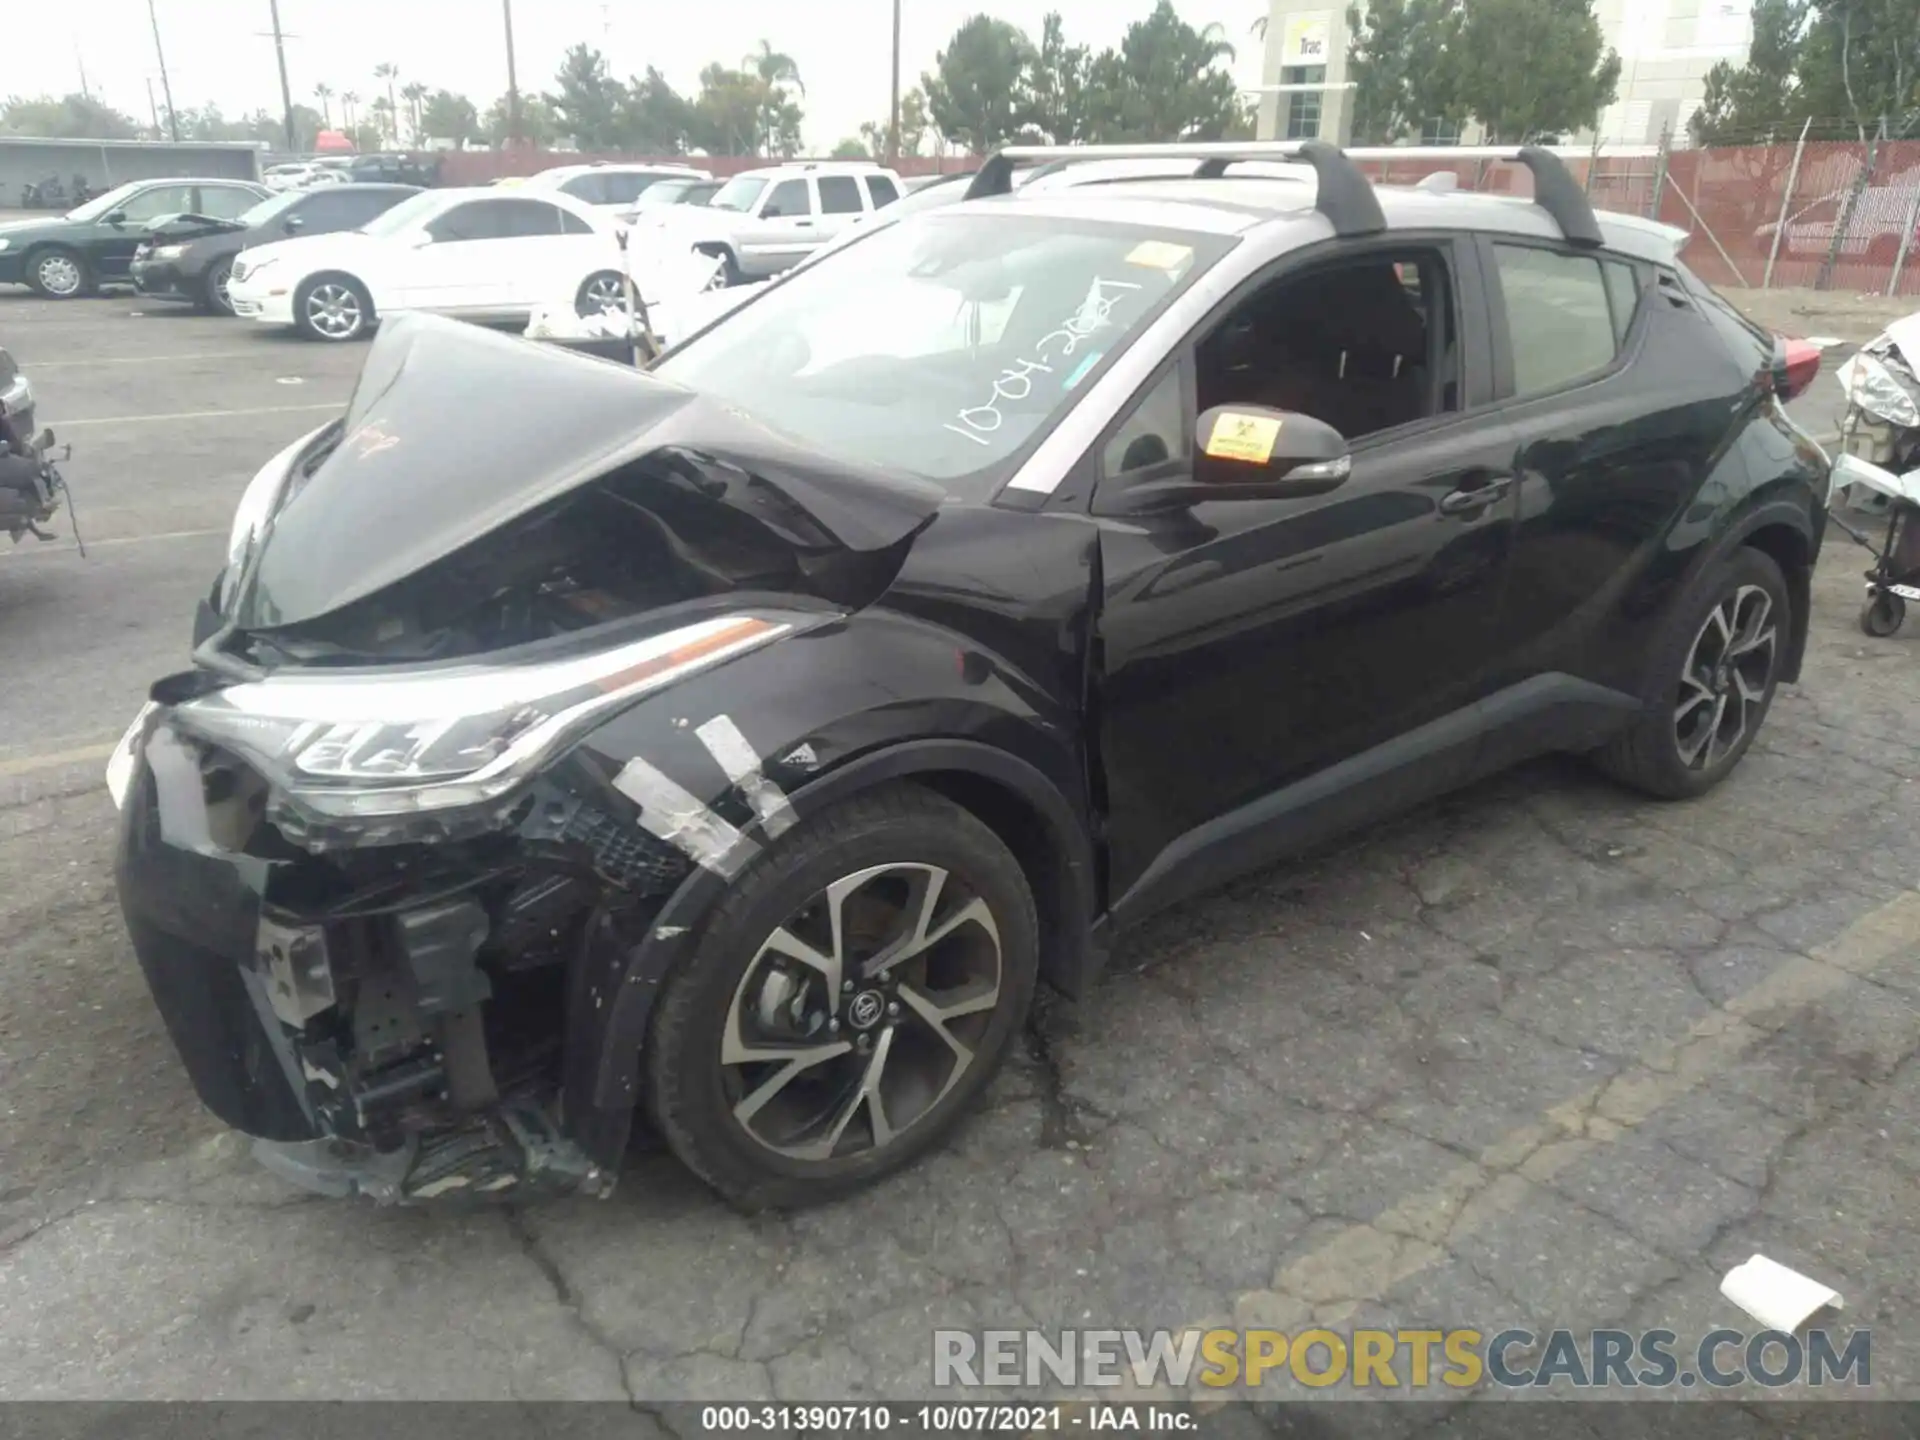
[675, 816]
[728, 746]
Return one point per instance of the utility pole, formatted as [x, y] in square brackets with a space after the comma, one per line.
[286, 92]
[154, 107]
[166, 85]
[513, 84]
[893, 128]
[81, 61]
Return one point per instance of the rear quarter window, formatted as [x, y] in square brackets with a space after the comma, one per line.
[1747, 342]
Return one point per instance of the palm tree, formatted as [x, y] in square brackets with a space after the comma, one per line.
[415, 96]
[349, 102]
[383, 117]
[323, 92]
[1258, 28]
[775, 68]
[389, 72]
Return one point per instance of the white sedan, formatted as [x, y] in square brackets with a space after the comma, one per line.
[479, 254]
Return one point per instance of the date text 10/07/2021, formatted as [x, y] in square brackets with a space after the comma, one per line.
[961, 1419]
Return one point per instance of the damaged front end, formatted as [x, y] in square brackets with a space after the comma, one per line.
[376, 869]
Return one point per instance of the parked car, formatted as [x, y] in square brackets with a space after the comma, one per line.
[190, 257]
[298, 175]
[764, 221]
[16, 394]
[93, 244]
[663, 193]
[610, 186]
[478, 254]
[745, 741]
[1880, 218]
[382, 169]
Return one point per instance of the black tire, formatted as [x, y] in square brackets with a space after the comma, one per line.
[688, 1084]
[213, 288]
[1651, 755]
[1883, 614]
[729, 275]
[65, 262]
[310, 326]
[584, 300]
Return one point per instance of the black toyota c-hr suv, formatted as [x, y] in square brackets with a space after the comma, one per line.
[742, 742]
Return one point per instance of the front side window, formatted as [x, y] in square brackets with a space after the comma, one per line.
[883, 190]
[590, 188]
[472, 221]
[958, 342]
[839, 195]
[1559, 317]
[623, 187]
[225, 202]
[1155, 433]
[409, 213]
[160, 200]
[738, 194]
[789, 198]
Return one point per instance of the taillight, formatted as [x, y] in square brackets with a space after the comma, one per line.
[1795, 364]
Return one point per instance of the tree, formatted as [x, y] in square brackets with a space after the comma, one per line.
[1861, 59]
[850, 149]
[390, 72]
[367, 137]
[1164, 83]
[1397, 66]
[654, 118]
[1758, 99]
[323, 92]
[539, 125]
[349, 111]
[384, 121]
[739, 113]
[447, 116]
[1053, 101]
[1528, 68]
[913, 126]
[71, 117]
[776, 69]
[586, 99]
[974, 92]
[416, 96]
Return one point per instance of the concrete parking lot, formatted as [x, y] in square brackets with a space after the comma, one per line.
[1542, 1055]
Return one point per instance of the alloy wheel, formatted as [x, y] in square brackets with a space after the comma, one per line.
[334, 310]
[1728, 678]
[59, 275]
[222, 278]
[861, 1012]
[603, 292]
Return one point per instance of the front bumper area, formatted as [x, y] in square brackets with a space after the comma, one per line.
[391, 1024]
[258, 298]
[160, 279]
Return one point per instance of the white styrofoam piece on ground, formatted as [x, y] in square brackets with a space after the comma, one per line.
[1779, 1298]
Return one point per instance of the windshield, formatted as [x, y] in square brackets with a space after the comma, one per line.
[959, 339]
[263, 212]
[105, 204]
[738, 193]
[407, 214]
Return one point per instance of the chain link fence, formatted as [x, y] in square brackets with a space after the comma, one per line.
[1792, 213]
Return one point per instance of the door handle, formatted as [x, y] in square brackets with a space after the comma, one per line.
[1471, 499]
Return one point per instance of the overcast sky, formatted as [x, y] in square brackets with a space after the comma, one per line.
[214, 53]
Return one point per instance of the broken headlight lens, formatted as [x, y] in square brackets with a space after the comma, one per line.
[373, 743]
[1876, 390]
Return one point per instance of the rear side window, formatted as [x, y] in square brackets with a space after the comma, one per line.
[839, 195]
[623, 187]
[1748, 343]
[572, 224]
[1623, 294]
[1559, 317]
[883, 190]
[590, 188]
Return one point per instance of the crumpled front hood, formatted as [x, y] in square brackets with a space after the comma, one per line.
[455, 431]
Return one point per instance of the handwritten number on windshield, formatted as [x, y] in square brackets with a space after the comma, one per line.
[1016, 381]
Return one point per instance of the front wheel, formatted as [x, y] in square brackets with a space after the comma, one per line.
[1717, 667]
[59, 273]
[333, 308]
[846, 1002]
[214, 297]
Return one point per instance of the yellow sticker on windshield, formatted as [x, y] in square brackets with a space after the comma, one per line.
[1243, 437]
[1160, 255]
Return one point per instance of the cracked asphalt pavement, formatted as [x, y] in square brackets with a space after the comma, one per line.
[1544, 1054]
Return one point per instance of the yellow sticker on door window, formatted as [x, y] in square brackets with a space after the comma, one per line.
[1243, 437]
[1160, 254]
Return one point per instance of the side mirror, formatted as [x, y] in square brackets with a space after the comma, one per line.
[293, 224]
[118, 217]
[420, 241]
[1249, 452]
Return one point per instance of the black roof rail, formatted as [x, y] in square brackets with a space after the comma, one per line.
[1345, 195]
[1554, 188]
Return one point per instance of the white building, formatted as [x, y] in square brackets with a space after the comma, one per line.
[1666, 48]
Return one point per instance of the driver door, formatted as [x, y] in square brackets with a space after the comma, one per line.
[1273, 671]
[784, 231]
[110, 248]
[458, 263]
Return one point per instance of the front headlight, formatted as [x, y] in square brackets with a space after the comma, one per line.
[368, 744]
[4, 242]
[167, 252]
[1878, 391]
